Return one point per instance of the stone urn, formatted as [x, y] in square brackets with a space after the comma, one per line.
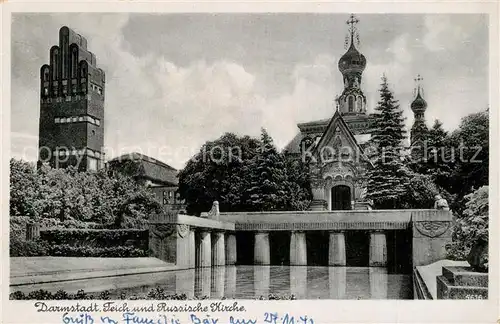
[478, 256]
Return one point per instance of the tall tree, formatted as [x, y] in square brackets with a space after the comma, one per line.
[387, 180]
[298, 185]
[470, 143]
[219, 171]
[268, 177]
[438, 164]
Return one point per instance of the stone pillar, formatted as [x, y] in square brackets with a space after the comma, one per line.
[378, 249]
[231, 282]
[298, 282]
[378, 283]
[262, 253]
[337, 279]
[32, 231]
[218, 249]
[192, 248]
[204, 252]
[336, 252]
[261, 281]
[298, 249]
[231, 256]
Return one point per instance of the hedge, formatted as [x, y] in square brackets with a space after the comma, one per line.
[97, 252]
[119, 243]
[137, 238]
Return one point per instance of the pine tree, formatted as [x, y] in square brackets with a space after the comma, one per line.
[387, 180]
[438, 154]
[268, 177]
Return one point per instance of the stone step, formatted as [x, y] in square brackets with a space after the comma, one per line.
[465, 276]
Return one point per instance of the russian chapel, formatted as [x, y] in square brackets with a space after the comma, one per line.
[335, 147]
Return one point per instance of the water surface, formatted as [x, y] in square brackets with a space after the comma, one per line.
[250, 282]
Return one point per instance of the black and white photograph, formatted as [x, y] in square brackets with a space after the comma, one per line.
[248, 156]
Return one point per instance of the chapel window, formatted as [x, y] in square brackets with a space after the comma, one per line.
[351, 103]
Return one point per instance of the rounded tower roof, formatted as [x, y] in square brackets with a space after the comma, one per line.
[419, 104]
[352, 60]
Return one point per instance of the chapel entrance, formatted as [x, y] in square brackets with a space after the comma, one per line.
[341, 197]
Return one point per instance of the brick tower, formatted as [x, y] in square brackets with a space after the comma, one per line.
[71, 106]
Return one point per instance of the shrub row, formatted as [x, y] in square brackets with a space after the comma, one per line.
[67, 250]
[97, 237]
[21, 248]
[153, 294]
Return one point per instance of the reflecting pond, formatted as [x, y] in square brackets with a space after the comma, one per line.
[250, 282]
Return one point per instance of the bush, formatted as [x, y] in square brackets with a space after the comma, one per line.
[18, 226]
[97, 237]
[471, 225]
[154, 294]
[66, 250]
[22, 248]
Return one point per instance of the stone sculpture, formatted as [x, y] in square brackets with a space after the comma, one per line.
[213, 213]
[440, 203]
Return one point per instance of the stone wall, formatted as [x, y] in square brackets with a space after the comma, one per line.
[432, 230]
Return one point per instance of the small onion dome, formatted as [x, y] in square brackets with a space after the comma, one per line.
[419, 104]
[352, 60]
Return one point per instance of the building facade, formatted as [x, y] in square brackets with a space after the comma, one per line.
[72, 90]
[160, 178]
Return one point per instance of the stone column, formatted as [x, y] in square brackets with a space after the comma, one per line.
[337, 282]
[378, 283]
[204, 252]
[192, 248]
[261, 281]
[378, 249]
[231, 255]
[298, 249]
[218, 249]
[336, 252]
[262, 253]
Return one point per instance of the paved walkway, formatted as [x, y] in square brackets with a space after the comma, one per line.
[41, 270]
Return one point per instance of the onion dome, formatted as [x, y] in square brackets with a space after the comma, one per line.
[419, 104]
[352, 60]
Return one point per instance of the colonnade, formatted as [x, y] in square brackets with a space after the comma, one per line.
[336, 253]
[218, 248]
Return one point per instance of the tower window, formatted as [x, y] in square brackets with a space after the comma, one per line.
[351, 103]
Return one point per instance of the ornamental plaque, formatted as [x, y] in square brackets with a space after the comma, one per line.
[432, 229]
[182, 230]
[161, 231]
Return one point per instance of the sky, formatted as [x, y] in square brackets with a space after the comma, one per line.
[175, 81]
